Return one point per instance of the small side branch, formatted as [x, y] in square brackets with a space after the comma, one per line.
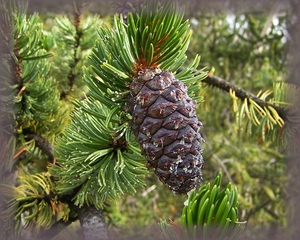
[253, 211]
[77, 20]
[241, 93]
[42, 144]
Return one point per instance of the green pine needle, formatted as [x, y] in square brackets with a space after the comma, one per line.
[33, 201]
[209, 213]
[154, 36]
[90, 157]
[36, 98]
[265, 122]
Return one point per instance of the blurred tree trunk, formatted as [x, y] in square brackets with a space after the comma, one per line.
[293, 163]
[93, 223]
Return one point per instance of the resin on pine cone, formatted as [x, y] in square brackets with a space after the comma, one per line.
[166, 126]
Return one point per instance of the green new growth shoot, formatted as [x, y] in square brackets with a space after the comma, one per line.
[208, 214]
[154, 36]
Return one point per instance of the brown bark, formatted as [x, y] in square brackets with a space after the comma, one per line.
[93, 223]
[42, 144]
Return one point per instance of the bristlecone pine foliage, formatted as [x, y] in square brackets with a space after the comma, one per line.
[134, 66]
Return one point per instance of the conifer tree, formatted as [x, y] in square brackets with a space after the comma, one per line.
[139, 111]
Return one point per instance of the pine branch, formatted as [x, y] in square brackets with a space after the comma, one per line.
[77, 20]
[42, 144]
[253, 211]
[101, 167]
[74, 38]
[93, 223]
[241, 93]
[65, 198]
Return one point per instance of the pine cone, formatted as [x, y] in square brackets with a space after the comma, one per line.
[166, 127]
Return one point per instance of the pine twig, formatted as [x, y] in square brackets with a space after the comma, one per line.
[252, 211]
[42, 144]
[242, 94]
[77, 20]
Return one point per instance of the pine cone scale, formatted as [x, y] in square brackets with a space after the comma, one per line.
[162, 108]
